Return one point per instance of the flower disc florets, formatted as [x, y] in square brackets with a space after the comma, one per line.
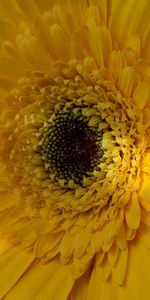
[70, 148]
[75, 146]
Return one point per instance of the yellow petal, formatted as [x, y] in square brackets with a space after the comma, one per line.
[142, 68]
[119, 271]
[146, 117]
[145, 217]
[46, 243]
[29, 8]
[80, 288]
[146, 37]
[121, 240]
[49, 282]
[141, 95]
[97, 288]
[66, 247]
[10, 11]
[7, 31]
[130, 233]
[81, 242]
[129, 57]
[93, 17]
[96, 241]
[134, 44]
[115, 64]
[81, 265]
[145, 192]
[136, 283]
[130, 18]
[13, 265]
[77, 9]
[60, 41]
[33, 51]
[9, 67]
[133, 212]
[97, 47]
[80, 42]
[4, 245]
[59, 285]
[126, 81]
[112, 228]
[6, 83]
[6, 201]
[113, 255]
[146, 163]
[104, 270]
[101, 45]
[144, 235]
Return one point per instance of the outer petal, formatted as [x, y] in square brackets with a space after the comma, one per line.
[137, 283]
[13, 265]
[80, 288]
[48, 282]
[127, 18]
[145, 192]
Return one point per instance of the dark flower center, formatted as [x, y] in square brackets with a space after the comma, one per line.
[70, 147]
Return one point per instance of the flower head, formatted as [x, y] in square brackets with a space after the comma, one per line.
[75, 148]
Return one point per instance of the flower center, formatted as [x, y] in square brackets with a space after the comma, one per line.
[70, 147]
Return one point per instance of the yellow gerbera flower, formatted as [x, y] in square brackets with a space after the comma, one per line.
[75, 149]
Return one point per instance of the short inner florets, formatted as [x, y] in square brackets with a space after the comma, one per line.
[70, 147]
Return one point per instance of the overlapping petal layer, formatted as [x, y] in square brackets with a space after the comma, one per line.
[89, 59]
